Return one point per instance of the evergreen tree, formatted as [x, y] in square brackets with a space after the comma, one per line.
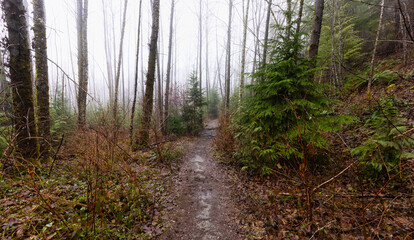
[287, 113]
[193, 106]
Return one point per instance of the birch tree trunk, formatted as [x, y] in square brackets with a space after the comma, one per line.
[118, 70]
[42, 78]
[82, 15]
[316, 30]
[243, 60]
[134, 101]
[21, 79]
[149, 90]
[374, 52]
[168, 78]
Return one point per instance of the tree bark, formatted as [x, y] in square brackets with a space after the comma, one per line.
[266, 39]
[168, 78]
[207, 78]
[316, 30]
[300, 14]
[134, 101]
[200, 61]
[288, 18]
[159, 90]
[340, 47]
[107, 53]
[42, 79]
[243, 60]
[334, 76]
[82, 15]
[228, 59]
[21, 79]
[118, 70]
[149, 90]
[374, 52]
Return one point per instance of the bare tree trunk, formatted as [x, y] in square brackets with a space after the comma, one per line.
[149, 90]
[288, 18]
[134, 101]
[107, 53]
[228, 59]
[42, 78]
[207, 67]
[333, 77]
[340, 50]
[63, 94]
[159, 91]
[118, 70]
[404, 38]
[299, 20]
[82, 12]
[168, 78]
[316, 30]
[374, 52]
[243, 60]
[20, 68]
[266, 39]
[200, 61]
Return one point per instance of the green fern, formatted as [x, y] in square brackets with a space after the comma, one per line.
[386, 145]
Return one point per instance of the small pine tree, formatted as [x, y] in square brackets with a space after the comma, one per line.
[287, 113]
[193, 106]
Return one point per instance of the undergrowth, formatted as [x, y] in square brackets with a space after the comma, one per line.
[95, 190]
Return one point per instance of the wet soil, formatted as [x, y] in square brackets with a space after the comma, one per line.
[202, 205]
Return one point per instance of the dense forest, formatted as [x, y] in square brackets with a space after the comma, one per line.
[230, 119]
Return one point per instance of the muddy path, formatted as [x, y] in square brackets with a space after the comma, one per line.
[202, 205]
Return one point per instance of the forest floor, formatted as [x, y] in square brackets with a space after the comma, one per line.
[204, 205]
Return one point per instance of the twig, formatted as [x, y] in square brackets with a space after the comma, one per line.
[320, 229]
[56, 153]
[337, 175]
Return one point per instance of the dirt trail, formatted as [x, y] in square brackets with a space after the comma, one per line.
[202, 207]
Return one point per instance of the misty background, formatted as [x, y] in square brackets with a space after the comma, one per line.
[62, 43]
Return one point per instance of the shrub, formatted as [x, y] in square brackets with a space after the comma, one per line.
[386, 145]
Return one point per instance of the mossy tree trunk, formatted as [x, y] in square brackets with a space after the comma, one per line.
[149, 84]
[82, 19]
[21, 79]
[42, 79]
